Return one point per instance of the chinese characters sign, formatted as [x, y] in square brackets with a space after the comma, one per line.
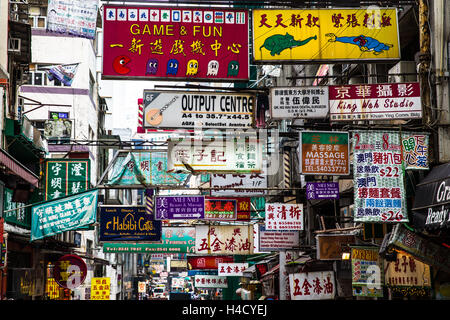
[324, 153]
[407, 271]
[322, 190]
[366, 275]
[236, 239]
[128, 224]
[208, 281]
[232, 269]
[233, 155]
[175, 43]
[415, 150]
[378, 181]
[382, 101]
[19, 215]
[312, 285]
[182, 109]
[221, 209]
[207, 262]
[275, 240]
[66, 177]
[328, 34]
[179, 207]
[100, 288]
[68, 213]
[299, 102]
[284, 216]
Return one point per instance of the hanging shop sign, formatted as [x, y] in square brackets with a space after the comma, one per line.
[230, 156]
[312, 285]
[378, 181]
[173, 240]
[64, 177]
[183, 109]
[331, 247]
[132, 168]
[415, 150]
[235, 269]
[100, 288]
[76, 18]
[322, 190]
[324, 153]
[70, 271]
[209, 281]
[284, 216]
[3, 250]
[325, 34]
[207, 262]
[277, 240]
[236, 239]
[64, 214]
[382, 101]
[194, 44]
[17, 213]
[222, 208]
[298, 102]
[367, 277]
[179, 207]
[128, 223]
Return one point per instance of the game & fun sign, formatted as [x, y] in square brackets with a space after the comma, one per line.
[325, 34]
[193, 44]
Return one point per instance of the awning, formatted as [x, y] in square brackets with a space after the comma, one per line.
[17, 168]
[431, 206]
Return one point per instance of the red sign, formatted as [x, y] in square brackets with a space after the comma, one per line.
[242, 209]
[70, 271]
[207, 262]
[181, 43]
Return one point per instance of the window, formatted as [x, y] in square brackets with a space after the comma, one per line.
[14, 45]
[37, 21]
[89, 249]
[39, 77]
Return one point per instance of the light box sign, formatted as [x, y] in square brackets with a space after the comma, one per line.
[66, 177]
[183, 109]
[227, 156]
[407, 272]
[299, 102]
[325, 35]
[382, 101]
[194, 44]
[235, 269]
[209, 281]
[236, 239]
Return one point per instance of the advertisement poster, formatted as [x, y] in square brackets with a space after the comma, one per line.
[325, 34]
[415, 150]
[183, 109]
[68, 213]
[312, 286]
[128, 223]
[367, 278]
[324, 153]
[100, 288]
[322, 190]
[284, 216]
[192, 44]
[236, 239]
[378, 177]
[298, 102]
[66, 177]
[179, 207]
[381, 101]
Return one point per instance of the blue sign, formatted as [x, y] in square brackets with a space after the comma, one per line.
[322, 190]
[125, 223]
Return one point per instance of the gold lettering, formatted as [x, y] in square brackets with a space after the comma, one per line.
[169, 30]
[158, 32]
[146, 30]
[217, 31]
[134, 29]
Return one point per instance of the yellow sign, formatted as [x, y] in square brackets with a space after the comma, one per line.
[100, 288]
[407, 271]
[325, 34]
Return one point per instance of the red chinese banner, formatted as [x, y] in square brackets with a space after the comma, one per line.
[175, 43]
[207, 262]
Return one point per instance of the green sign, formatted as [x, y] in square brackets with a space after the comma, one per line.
[65, 177]
[174, 240]
[64, 214]
[15, 211]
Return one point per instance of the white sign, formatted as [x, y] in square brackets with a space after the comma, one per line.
[142, 287]
[299, 102]
[312, 285]
[284, 216]
[233, 155]
[232, 269]
[208, 281]
[175, 109]
[235, 239]
[273, 240]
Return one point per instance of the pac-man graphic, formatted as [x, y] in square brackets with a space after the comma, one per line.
[233, 69]
[192, 68]
[213, 68]
[152, 66]
[172, 67]
[119, 64]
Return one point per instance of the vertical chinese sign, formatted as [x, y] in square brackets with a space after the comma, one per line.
[66, 177]
[379, 190]
[175, 43]
[100, 288]
[415, 150]
[236, 239]
[325, 34]
[366, 272]
[284, 216]
[324, 153]
[312, 286]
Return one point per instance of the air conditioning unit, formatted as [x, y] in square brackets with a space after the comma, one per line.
[397, 71]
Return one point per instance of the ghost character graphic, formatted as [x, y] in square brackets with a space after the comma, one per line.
[172, 67]
[152, 66]
[213, 68]
[233, 69]
[192, 67]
